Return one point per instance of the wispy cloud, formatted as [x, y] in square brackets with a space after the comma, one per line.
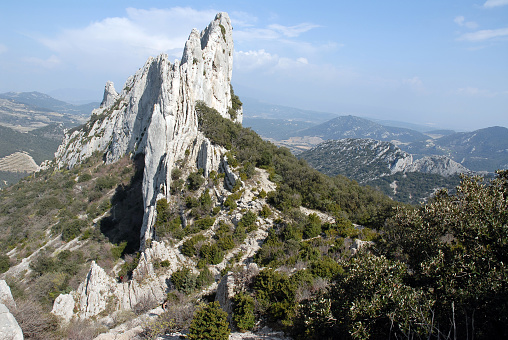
[495, 3]
[477, 92]
[292, 31]
[3, 48]
[483, 35]
[273, 32]
[461, 21]
[49, 63]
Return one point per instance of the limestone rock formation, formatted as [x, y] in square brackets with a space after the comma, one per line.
[64, 306]
[440, 165]
[110, 95]
[155, 114]
[9, 328]
[5, 295]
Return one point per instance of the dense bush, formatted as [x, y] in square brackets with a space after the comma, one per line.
[184, 280]
[195, 180]
[243, 311]
[4, 263]
[209, 322]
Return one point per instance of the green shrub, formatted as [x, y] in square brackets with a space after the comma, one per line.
[184, 280]
[72, 229]
[117, 251]
[4, 263]
[175, 174]
[243, 311]
[265, 212]
[195, 180]
[248, 221]
[189, 246]
[204, 278]
[209, 322]
[106, 182]
[211, 253]
[84, 178]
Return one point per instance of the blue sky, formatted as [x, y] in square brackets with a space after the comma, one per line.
[441, 63]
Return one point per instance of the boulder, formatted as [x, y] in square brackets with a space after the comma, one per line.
[64, 307]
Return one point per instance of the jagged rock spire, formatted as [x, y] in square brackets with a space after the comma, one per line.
[110, 95]
[155, 113]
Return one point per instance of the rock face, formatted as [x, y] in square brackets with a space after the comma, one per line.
[155, 114]
[5, 295]
[64, 307]
[101, 293]
[110, 95]
[9, 328]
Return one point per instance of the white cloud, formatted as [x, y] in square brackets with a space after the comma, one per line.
[3, 48]
[292, 31]
[495, 3]
[263, 61]
[484, 34]
[128, 41]
[476, 92]
[461, 21]
[51, 62]
[273, 32]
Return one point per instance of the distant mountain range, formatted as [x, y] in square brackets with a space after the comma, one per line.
[31, 129]
[356, 127]
[43, 101]
[479, 150]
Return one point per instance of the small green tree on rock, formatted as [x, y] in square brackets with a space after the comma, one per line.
[209, 323]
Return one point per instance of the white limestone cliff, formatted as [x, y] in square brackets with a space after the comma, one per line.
[155, 114]
[440, 165]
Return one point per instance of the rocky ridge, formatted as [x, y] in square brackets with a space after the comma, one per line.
[365, 159]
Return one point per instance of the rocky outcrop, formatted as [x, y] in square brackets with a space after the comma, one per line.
[225, 292]
[110, 95]
[155, 114]
[9, 328]
[5, 295]
[440, 165]
[359, 244]
[101, 293]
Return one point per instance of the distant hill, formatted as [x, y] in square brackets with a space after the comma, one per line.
[253, 108]
[43, 101]
[39, 145]
[479, 150]
[385, 166]
[356, 127]
[275, 128]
